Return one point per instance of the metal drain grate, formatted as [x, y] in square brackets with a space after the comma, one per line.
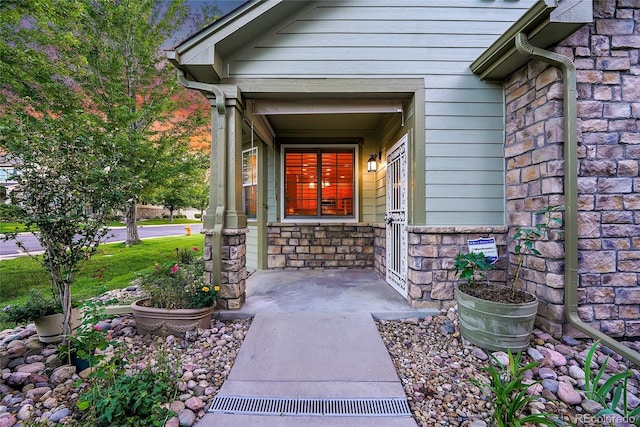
[397, 407]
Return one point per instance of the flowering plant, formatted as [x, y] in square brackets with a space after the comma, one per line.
[179, 283]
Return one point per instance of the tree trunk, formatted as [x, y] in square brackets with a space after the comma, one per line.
[132, 224]
[65, 291]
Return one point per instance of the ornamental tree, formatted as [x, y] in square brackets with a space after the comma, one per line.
[87, 116]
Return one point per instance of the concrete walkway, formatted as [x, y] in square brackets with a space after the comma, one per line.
[313, 355]
[311, 369]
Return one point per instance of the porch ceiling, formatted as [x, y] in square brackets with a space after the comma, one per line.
[322, 115]
[321, 123]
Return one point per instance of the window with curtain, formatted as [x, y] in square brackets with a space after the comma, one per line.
[319, 182]
[250, 182]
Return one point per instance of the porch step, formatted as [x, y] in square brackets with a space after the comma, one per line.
[311, 369]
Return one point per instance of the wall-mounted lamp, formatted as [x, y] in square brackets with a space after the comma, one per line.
[372, 163]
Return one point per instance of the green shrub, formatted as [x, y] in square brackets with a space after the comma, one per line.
[510, 393]
[9, 212]
[116, 396]
[36, 305]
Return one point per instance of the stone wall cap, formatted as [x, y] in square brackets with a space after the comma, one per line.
[227, 231]
[320, 224]
[426, 229]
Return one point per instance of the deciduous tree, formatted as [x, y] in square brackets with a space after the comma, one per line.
[88, 112]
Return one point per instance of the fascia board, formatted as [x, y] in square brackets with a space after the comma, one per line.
[229, 24]
[546, 23]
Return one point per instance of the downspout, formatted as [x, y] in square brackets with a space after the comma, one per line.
[571, 194]
[214, 216]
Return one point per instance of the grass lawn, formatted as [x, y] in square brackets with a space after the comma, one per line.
[11, 226]
[113, 267]
[166, 221]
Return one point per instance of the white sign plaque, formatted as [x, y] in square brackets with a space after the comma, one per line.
[486, 245]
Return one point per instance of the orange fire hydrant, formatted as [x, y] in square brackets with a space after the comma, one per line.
[187, 229]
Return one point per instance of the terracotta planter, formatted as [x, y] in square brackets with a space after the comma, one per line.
[493, 325]
[163, 322]
[49, 328]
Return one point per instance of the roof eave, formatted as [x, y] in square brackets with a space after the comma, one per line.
[546, 23]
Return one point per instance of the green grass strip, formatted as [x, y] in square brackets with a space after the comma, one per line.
[112, 267]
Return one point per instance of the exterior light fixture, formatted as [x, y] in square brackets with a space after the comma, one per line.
[372, 163]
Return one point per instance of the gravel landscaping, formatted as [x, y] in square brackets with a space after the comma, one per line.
[433, 362]
[436, 365]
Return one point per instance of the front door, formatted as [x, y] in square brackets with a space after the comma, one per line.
[396, 216]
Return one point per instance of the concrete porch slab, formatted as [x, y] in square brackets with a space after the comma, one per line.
[323, 291]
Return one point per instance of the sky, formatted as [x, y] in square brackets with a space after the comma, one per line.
[225, 6]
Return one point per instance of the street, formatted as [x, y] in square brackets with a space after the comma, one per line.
[9, 249]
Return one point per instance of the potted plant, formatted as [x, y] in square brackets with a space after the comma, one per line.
[500, 317]
[84, 347]
[45, 312]
[179, 298]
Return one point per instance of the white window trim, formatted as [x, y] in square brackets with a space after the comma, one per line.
[256, 184]
[326, 220]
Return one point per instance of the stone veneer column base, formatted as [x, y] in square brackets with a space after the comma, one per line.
[234, 271]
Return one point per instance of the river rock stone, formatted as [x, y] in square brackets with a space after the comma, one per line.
[556, 358]
[36, 393]
[547, 374]
[7, 420]
[551, 385]
[32, 368]
[194, 403]
[570, 341]
[18, 379]
[62, 374]
[501, 357]
[479, 354]
[58, 415]
[576, 372]
[567, 394]
[186, 418]
[591, 407]
[26, 412]
[535, 354]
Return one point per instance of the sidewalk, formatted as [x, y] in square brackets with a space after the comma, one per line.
[311, 369]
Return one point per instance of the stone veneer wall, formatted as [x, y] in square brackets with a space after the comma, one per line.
[234, 270]
[608, 74]
[380, 250]
[331, 245]
[432, 251]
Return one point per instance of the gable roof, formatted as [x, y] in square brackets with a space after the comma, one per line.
[546, 23]
[204, 51]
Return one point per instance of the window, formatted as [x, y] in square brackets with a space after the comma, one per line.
[319, 182]
[250, 182]
[6, 174]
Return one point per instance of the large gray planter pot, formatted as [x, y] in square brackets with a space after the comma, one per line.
[49, 328]
[496, 326]
[163, 322]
